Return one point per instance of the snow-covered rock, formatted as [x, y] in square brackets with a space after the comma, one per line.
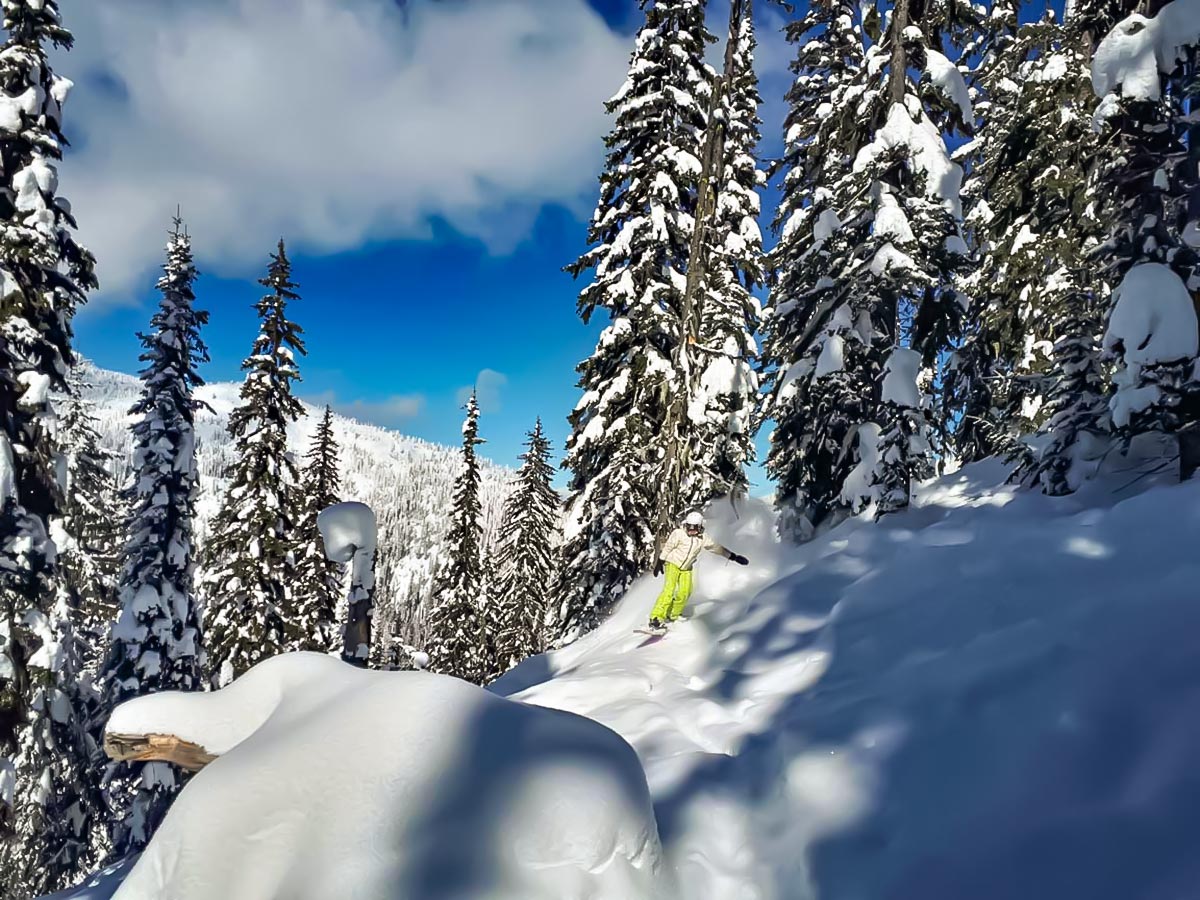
[334, 781]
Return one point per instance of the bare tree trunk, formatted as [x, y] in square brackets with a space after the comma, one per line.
[897, 78]
[899, 56]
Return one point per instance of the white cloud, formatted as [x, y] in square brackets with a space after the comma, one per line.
[389, 412]
[488, 385]
[331, 122]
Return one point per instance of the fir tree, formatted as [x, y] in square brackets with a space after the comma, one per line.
[642, 239]
[156, 644]
[727, 398]
[1146, 191]
[1077, 399]
[869, 247]
[318, 580]
[1032, 317]
[60, 810]
[917, 248]
[90, 534]
[819, 358]
[44, 277]
[527, 551]
[251, 556]
[492, 613]
[457, 639]
[1078, 421]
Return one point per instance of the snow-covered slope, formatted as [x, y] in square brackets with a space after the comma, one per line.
[407, 481]
[995, 695]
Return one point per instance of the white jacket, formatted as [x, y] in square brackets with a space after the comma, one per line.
[681, 549]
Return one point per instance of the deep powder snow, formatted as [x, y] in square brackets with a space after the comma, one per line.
[993, 695]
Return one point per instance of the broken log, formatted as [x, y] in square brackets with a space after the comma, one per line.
[157, 748]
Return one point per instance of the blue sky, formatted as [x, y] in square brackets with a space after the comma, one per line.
[432, 170]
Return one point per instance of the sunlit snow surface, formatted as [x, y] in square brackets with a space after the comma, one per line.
[993, 696]
[337, 782]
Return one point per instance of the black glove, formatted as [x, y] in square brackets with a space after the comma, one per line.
[658, 567]
[740, 560]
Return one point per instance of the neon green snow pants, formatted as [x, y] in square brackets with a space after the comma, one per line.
[674, 597]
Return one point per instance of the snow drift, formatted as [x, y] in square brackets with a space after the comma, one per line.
[333, 781]
[994, 695]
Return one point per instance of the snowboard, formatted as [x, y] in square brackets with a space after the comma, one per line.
[653, 632]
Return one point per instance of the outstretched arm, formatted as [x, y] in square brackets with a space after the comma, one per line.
[713, 547]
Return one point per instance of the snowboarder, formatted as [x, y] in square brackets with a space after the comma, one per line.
[677, 558]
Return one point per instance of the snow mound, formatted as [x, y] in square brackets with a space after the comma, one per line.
[948, 81]
[347, 528]
[1133, 54]
[1153, 317]
[334, 781]
[926, 149]
[1153, 322]
[994, 695]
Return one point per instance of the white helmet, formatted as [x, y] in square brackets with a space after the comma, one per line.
[694, 518]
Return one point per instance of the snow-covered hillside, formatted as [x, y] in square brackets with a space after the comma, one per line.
[407, 481]
[993, 695]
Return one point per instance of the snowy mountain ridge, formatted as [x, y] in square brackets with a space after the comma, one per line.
[406, 480]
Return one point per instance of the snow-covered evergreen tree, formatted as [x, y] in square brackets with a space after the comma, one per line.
[250, 559]
[818, 354]
[870, 243]
[58, 803]
[457, 640]
[491, 615]
[1030, 218]
[44, 277]
[1145, 73]
[917, 247]
[1078, 422]
[527, 552]
[903, 450]
[1077, 400]
[156, 644]
[314, 626]
[724, 410]
[641, 235]
[90, 533]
